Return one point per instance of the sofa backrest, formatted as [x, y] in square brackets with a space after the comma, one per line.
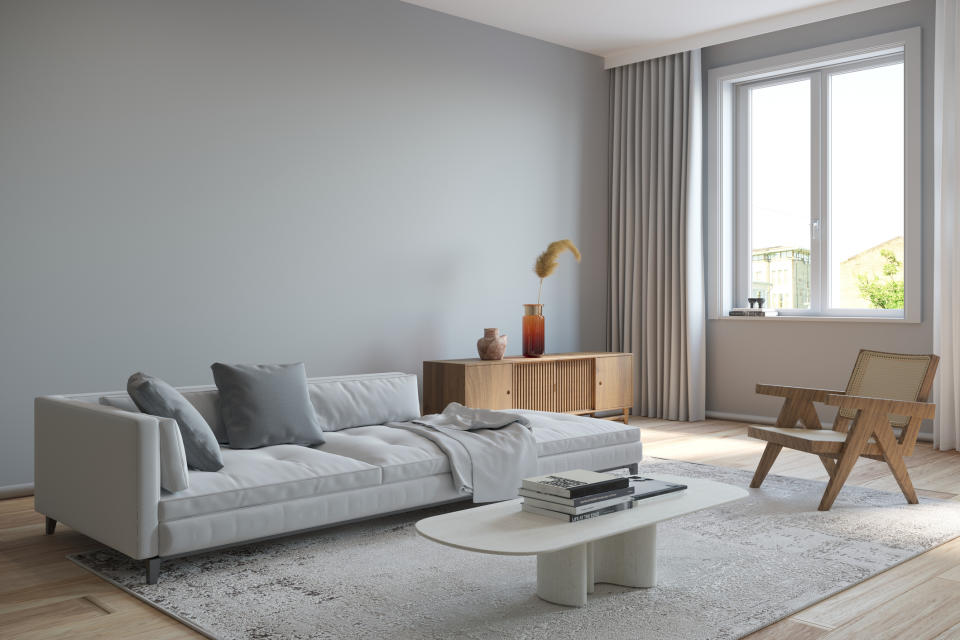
[341, 402]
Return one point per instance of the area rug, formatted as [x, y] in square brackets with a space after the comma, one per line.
[723, 573]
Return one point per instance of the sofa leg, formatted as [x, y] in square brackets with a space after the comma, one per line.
[634, 468]
[153, 570]
[51, 525]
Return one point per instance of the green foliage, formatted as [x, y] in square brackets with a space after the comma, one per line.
[886, 292]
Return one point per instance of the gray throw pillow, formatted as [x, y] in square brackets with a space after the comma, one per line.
[157, 398]
[265, 404]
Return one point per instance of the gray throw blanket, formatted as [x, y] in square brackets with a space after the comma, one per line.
[490, 452]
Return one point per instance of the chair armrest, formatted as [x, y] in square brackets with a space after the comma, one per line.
[921, 410]
[803, 393]
[98, 470]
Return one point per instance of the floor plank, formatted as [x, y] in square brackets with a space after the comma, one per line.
[926, 611]
[793, 629]
[878, 591]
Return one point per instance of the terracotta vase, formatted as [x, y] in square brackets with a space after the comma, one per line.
[533, 330]
[492, 345]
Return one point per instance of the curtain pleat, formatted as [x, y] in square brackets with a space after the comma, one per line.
[946, 203]
[655, 270]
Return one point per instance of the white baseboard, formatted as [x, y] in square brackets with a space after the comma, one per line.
[16, 490]
[923, 436]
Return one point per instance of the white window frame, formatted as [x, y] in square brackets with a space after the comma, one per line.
[728, 241]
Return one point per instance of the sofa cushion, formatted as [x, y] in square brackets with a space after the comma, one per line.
[266, 404]
[373, 399]
[401, 454]
[174, 475]
[261, 476]
[156, 397]
[563, 432]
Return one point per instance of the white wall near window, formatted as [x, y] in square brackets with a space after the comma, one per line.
[815, 161]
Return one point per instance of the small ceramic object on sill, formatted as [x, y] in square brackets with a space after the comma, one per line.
[492, 345]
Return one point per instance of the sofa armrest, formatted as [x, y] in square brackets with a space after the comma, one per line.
[98, 470]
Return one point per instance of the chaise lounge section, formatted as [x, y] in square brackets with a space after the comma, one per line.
[119, 476]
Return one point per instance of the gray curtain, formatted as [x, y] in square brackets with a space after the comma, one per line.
[656, 297]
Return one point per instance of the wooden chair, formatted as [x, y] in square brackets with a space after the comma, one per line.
[886, 391]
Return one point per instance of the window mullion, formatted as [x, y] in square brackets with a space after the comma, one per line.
[823, 194]
[816, 188]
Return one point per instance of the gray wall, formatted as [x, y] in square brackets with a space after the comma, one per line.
[740, 354]
[358, 184]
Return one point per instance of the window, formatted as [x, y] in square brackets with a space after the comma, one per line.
[814, 181]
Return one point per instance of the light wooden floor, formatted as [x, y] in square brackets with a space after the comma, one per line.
[44, 595]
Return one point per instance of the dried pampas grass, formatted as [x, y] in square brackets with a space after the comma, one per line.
[547, 262]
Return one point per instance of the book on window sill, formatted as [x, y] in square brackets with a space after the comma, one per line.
[577, 502]
[644, 488]
[566, 517]
[753, 313]
[576, 511]
[575, 484]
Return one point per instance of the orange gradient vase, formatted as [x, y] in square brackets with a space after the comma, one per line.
[533, 336]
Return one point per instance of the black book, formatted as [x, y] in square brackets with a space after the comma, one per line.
[577, 502]
[648, 487]
[566, 517]
[575, 484]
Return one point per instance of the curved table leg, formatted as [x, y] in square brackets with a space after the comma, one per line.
[562, 576]
[628, 559]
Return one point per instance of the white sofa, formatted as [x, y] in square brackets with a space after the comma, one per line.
[101, 469]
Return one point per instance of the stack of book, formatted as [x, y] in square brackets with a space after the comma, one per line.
[579, 495]
[576, 495]
[752, 312]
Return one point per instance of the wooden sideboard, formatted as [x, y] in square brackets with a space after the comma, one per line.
[581, 383]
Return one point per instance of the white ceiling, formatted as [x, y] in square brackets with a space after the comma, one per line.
[624, 31]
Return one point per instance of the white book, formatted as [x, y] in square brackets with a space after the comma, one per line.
[575, 483]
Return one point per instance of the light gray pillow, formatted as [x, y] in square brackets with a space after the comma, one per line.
[265, 404]
[156, 397]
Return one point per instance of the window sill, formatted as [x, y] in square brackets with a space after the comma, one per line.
[815, 319]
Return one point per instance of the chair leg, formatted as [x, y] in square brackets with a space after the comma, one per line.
[829, 464]
[894, 458]
[899, 470]
[851, 451]
[766, 461]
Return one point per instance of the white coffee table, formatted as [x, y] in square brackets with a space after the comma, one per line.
[619, 548]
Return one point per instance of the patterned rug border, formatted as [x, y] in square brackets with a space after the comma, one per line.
[76, 557]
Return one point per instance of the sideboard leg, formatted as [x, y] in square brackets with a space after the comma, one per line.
[626, 416]
[51, 525]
